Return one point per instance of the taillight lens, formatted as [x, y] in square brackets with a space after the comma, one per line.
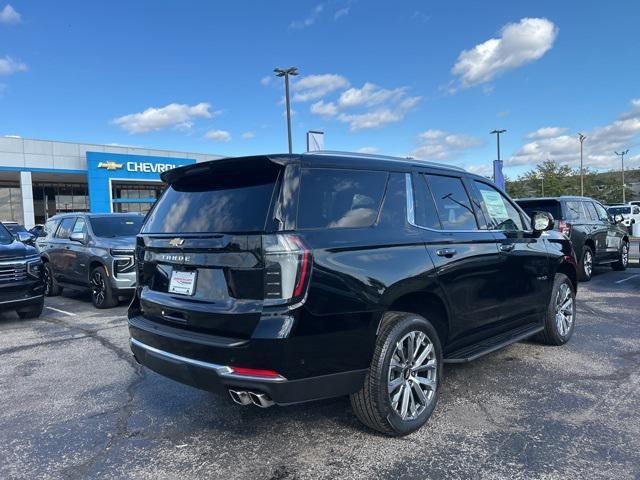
[564, 227]
[255, 372]
[287, 269]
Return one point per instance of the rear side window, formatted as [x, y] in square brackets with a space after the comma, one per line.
[549, 206]
[452, 203]
[66, 225]
[337, 198]
[591, 211]
[574, 211]
[211, 201]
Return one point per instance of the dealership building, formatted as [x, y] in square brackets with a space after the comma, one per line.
[39, 178]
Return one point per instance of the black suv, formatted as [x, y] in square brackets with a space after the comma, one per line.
[288, 278]
[21, 284]
[597, 237]
[91, 251]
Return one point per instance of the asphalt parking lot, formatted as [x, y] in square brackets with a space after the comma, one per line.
[76, 405]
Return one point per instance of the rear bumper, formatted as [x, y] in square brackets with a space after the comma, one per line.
[219, 378]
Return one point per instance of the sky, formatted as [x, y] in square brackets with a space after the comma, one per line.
[413, 78]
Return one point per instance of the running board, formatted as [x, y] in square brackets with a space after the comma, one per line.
[477, 350]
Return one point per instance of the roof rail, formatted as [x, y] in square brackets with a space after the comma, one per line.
[369, 156]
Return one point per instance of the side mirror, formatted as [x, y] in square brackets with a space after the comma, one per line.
[77, 237]
[618, 218]
[24, 237]
[542, 221]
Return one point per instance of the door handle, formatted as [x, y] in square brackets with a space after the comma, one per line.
[507, 247]
[67, 248]
[446, 252]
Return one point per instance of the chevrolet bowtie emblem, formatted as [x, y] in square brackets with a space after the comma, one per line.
[176, 242]
[110, 165]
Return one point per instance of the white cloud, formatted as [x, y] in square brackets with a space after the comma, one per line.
[369, 95]
[518, 44]
[313, 87]
[440, 145]
[248, 135]
[173, 115]
[343, 12]
[218, 135]
[369, 150]
[9, 66]
[328, 109]
[380, 116]
[546, 132]
[9, 15]
[599, 146]
[309, 19]
[266, 80]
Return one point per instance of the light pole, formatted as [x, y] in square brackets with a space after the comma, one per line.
[497, 133]
[280, 72]
[541, 177]
[581, 137]
[621, 155]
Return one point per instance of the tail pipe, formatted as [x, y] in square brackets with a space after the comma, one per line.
[242, 397]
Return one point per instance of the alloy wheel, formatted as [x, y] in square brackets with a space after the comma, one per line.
[564, 310]
[625, 254]
[47, 280]
[412, 380]
[98, 287]
[587, 263]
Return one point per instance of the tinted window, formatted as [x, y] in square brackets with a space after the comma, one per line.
[591, 210]
[452, 203]
[5, 235]
[79, 226]
[333, 198]
[425, 208]
[64, 230]
[549, 206]
[211, 201]
[602, 213]
[619, 210]
[116, 226]
[574, 211]
[501, 214]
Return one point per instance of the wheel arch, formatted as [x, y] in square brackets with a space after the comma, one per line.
[428, 305]
[569, 269]
[591, 244]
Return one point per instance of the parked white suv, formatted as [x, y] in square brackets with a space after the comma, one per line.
[631, 213]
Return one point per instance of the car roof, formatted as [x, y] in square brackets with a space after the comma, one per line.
[92, 215]
[558, 199]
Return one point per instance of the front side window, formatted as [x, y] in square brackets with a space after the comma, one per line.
[66, 225]
[591, 211]
[337, 198]
[602, 213]
[501, 214]
[425, 209]
[452, 203]
[79, 226]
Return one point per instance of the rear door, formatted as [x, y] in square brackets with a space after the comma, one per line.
[202, 246]
[78, 272]
[59, 252]
[611, 233]
[467, 260]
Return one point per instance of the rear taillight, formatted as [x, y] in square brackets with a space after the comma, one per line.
[287, 269]
[255, 372]
[564, 227]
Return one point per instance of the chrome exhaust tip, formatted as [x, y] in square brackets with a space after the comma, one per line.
[240, 397]
[261, 400]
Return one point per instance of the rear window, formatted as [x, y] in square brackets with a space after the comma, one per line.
[336, 198]
[550, 206]
[215, 201]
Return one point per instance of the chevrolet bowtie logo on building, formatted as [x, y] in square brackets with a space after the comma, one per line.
[176, 242]
[110, 165]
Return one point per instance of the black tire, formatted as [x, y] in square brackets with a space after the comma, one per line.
[585, 269]
[34, 310]
[623, 258]
[51, 287]
[553, 333]
[372, 404]
[102, 294]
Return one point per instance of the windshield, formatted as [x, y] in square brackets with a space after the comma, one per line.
[116, 226]
[15, 228]
[550, 206]
[5, 235]
[619, 210]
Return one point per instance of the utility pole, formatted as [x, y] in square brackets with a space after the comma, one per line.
[280, 72]
[581, 137]
[621, 155]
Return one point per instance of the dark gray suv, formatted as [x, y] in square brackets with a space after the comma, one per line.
[94, 251]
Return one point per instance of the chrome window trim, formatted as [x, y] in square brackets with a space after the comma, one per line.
[221, 370]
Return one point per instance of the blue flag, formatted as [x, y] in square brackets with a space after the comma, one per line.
[498, 177]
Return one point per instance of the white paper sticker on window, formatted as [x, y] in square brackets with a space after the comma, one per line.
[495, 205]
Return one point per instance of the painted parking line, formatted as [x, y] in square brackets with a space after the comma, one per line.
[61, 311]
[628, 278]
